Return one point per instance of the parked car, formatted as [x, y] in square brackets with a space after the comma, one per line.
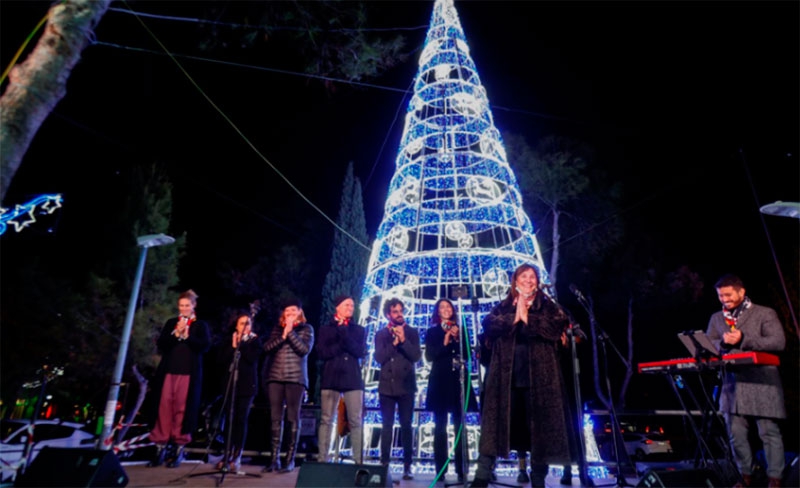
[640, 445]
[54, 433]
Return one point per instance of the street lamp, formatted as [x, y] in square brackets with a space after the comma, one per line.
[144, 242]
[782, 209]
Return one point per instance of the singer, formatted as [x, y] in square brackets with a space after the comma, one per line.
[397, 350]
[286, 376]
[247, 343]
[525, 401]
[178, 381]
[341, 348]
[442, 342]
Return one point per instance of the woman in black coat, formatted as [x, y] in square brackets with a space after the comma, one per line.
[444, 396]
[178, 381]
[524, 385]
[286, 377]
[241, 356]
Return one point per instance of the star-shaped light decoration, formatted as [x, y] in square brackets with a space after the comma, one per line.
[24, 215]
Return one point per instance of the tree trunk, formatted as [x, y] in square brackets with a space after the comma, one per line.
[40, 82]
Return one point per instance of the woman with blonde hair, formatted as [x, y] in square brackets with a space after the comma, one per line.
[286, 378]
[178, 382]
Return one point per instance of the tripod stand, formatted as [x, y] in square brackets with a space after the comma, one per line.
[230, 399]
[576, 371]
[615, 427]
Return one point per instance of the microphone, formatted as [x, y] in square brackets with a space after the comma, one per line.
[575, 291]
[577, 330]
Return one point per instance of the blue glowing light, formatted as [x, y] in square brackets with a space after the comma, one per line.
[21, 216]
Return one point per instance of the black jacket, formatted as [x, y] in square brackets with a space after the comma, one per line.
[398, 363]
[199, 341]
[341, 348]
[247, 379]
[444, 382]
[287, 360]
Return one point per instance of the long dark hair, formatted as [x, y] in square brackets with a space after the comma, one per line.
[435, 319]
[512, 292]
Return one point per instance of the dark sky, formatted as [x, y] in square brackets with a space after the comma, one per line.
[693, 106]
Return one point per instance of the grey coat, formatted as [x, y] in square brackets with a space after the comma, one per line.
[751, 390]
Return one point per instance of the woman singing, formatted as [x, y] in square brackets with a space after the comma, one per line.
[179, 379]
[286, 376]
[525, 392]
[245, 366]
[442, 343]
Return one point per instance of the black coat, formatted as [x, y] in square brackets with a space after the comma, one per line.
[341, 348]
[547, 402]
[199, 341]
[398, 375]
[250, 354]
[287, 359]
[444, 382]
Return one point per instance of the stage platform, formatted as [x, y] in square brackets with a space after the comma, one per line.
[198, 474]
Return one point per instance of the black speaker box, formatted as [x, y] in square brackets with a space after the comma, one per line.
[686, 478]
[327, 475]
[60, 466]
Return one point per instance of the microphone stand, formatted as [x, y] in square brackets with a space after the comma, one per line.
[616, 429]
[460, 436]
[230, 395]
[583, 472]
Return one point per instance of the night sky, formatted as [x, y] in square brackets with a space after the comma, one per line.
[693, 106]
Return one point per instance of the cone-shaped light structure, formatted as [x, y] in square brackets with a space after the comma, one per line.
[453, 223]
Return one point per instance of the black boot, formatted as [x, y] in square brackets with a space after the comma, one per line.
[277, 437]
[158, 459]
[294, 440]
[179, 456]
[538, 475]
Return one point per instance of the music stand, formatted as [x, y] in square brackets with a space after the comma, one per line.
[698, 344]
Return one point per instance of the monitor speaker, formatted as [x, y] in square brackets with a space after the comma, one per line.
[61, 466]
[328, 475]
[686, 478]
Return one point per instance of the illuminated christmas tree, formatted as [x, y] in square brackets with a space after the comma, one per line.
[453, 223]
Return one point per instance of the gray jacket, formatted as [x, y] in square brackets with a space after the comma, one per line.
[751, 390]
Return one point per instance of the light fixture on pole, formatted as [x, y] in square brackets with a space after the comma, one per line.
[782, 209]
[145, 242]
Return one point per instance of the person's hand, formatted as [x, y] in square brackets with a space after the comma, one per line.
[400, 334]
[235, 340]
[523, 304]
[733, 337]
[564, 338]
[451, 334]
[286, 329]
[182, 328]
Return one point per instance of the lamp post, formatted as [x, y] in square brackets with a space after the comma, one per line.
[144, 242]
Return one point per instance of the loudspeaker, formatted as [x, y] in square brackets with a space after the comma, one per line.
[327, 475]
[61, 466]
[687, 478]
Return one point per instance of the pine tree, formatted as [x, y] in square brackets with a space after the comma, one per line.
[349, 254]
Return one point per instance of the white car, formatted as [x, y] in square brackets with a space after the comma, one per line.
[53, 433]
[640, 445]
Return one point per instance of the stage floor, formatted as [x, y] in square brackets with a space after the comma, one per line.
[199, 474]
